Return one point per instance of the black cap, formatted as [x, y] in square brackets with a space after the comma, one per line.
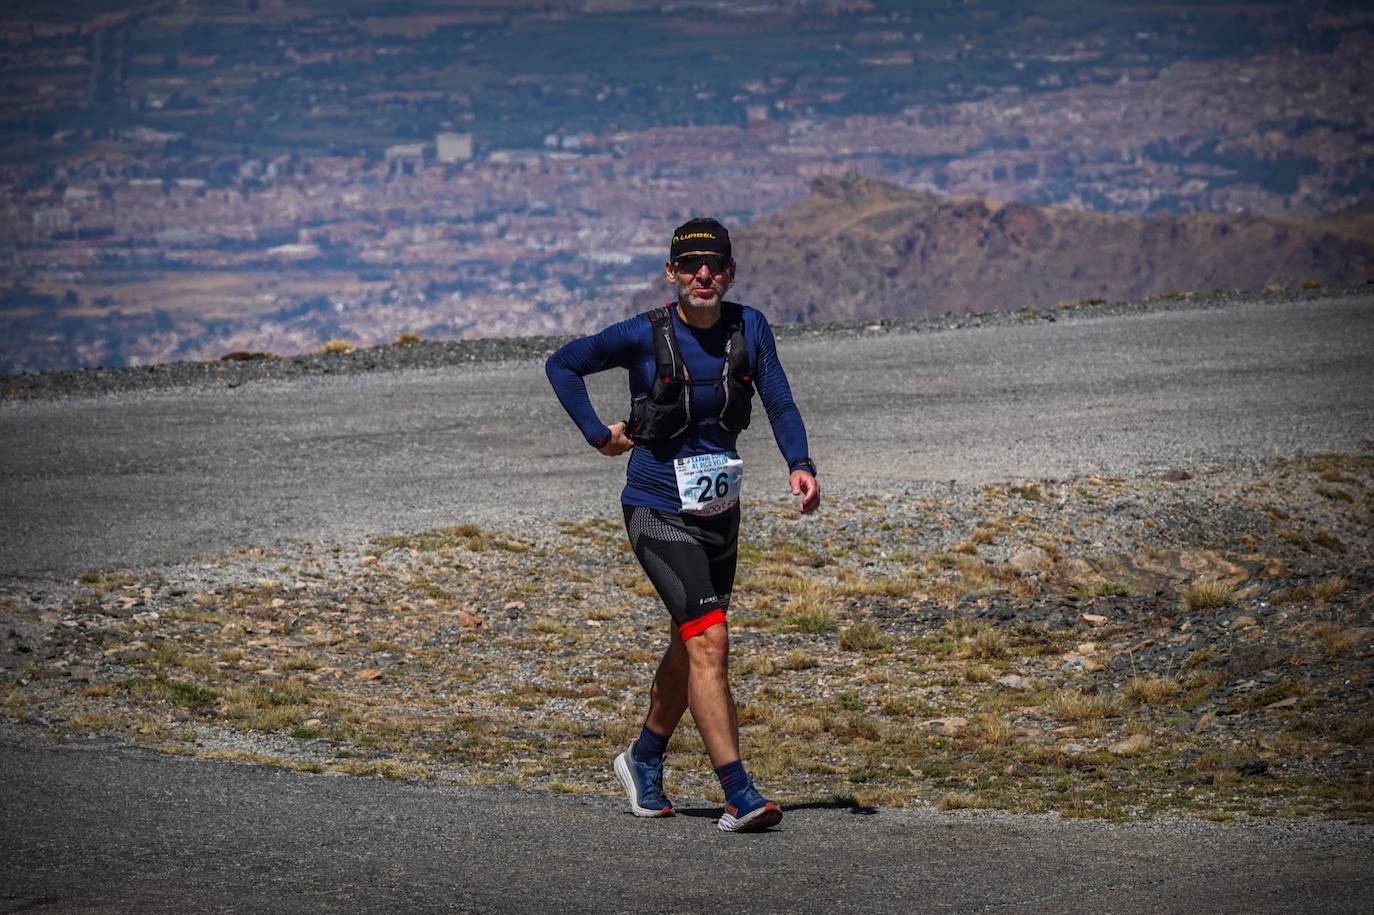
[700, 234]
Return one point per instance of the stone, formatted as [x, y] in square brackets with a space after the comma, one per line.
[1012, 681]
[1283, 703]
[1205, 721]
[1131, 745]
[1358, 635]
[370, 673]
[948, 727]
[1095, 619]
[1031, 560]
[468, 620]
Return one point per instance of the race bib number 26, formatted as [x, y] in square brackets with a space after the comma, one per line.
[709, 483]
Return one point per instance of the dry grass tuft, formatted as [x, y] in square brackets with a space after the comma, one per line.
[864, 636]
[1076, 705]
[335, 347]
[1152, 690]
[1332, 638]
[1208, 595]
[408, 339]
[798, 659]
[1106, 588]
[984, 643]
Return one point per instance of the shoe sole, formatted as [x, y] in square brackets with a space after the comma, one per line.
[770, 814]
[622, 771]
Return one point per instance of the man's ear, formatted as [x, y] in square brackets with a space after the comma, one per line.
[669, 272]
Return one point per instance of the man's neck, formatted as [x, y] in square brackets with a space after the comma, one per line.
[700, 318]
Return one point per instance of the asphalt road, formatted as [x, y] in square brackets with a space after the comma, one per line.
[96, 829]
[158, 478]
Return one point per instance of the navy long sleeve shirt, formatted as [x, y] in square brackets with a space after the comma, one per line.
[650, 477]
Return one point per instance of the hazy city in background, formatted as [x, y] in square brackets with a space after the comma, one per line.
[185, 179]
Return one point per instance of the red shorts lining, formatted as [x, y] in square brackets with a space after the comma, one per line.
[699, 625]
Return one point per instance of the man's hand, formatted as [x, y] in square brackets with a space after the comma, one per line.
[809, 488]
[618, 443]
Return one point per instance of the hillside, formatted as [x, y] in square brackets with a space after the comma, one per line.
[854, 248]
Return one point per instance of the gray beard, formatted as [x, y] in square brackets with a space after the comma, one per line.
[684, 298]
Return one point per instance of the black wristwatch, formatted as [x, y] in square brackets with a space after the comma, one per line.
[803, 464]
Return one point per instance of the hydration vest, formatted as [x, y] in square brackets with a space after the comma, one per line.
[666, 411]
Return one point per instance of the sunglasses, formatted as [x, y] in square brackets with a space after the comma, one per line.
[690, 264]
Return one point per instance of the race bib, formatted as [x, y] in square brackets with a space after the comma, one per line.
[709, 483]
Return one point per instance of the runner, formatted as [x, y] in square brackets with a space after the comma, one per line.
[693, 366]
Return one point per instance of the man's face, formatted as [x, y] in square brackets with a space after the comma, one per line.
[701, 278]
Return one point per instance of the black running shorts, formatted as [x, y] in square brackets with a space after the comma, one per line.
[690, 559]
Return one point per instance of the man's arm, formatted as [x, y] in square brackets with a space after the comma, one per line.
[611, 348]
[788, 429]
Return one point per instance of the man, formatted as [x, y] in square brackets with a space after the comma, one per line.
[693, 366]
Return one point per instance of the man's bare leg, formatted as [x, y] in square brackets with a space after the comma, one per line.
[695, 674]
[668, 695]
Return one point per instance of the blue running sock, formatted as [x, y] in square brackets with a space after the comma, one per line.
[733, 781]
[649, 748]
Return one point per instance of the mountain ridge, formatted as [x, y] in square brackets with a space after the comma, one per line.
[859, 249]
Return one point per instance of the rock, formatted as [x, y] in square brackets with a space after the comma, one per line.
[1031, 560]
[370, 673]
[147, 616]
[1012, 681]
[1241, 622]
[1359, 635]
[514, 605]
[948, 727]
[1205, 721]
[1248, 660]
[1131, 745]
[468, 620]
[1252, 767]
[1095, 619]
[277, 603]
[1283, 703]
[368, 560]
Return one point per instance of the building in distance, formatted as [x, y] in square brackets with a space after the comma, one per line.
[453, 147]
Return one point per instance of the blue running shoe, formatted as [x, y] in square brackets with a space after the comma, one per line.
[644, 785]
[755, 812]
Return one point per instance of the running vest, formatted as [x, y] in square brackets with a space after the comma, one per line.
[666, 411]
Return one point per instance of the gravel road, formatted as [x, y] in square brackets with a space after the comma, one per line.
[146, 478]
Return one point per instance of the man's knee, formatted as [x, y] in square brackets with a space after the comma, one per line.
[710, 647]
